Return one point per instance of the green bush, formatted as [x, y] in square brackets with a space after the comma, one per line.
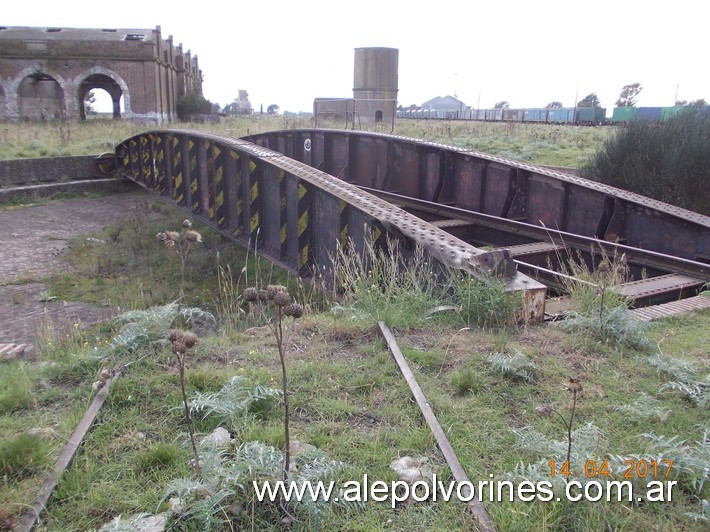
[667, 161]
[193, 103]
[466, 380]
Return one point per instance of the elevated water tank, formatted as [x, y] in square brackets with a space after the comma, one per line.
[376, 71]
[375, 83]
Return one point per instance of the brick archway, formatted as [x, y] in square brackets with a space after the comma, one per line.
[37, 92]
[103, 78]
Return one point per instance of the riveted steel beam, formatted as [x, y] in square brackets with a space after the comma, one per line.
[504, 188]
[292, 212]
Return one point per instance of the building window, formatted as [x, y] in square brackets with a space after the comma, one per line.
[53, 30]
[378, 116]
[134, 37]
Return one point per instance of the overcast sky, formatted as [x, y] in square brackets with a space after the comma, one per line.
[287, 52]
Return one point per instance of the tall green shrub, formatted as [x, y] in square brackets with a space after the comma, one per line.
[668, 161]
[193, 103]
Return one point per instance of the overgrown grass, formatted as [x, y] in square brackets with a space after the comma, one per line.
[350, 402]
[540, 144]
[124, 265]
[21, 456]
[492, 388]
[403, 287]
[565, 146]
[15, 388]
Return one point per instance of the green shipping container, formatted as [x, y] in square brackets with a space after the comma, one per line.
[624, 114]
[591, 115]
[670, 112]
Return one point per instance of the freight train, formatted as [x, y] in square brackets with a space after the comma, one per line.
[564, 115]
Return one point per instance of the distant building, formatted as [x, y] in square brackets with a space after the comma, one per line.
[241, 105]
[45, 73]
[445, 103]
[375, 90]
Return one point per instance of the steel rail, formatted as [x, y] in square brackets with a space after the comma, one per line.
[638, 256]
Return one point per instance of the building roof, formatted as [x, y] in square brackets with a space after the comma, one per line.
[445, 103]
[78, 34]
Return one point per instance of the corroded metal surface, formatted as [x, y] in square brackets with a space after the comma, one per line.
[543, 218]
[290, 211]
[493, 230]
[499, 187]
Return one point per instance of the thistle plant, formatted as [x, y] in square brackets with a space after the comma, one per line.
[516, 367]
[276, 304]
[182, 244]
[234, 400]
[608, 276]
[181, 342]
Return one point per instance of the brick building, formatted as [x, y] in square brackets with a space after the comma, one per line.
[45, 73]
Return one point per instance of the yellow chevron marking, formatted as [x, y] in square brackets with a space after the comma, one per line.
[344, 235]
[303, 256]
[302, 223]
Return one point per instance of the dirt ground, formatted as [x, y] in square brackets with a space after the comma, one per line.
[33, 239]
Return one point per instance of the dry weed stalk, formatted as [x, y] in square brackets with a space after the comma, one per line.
[575, 386]
[277, 298]
[181, 341]
[182, 244]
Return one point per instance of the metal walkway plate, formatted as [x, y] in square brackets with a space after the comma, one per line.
[535, 248]
[673, 308]
[660, 284]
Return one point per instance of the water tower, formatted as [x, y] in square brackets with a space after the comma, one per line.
[375, 84]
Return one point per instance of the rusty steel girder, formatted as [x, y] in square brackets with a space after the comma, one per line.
[545, 219]
[498, 187]
[292, 212]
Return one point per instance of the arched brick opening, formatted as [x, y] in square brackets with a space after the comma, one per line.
[100, 81]
[40, 97]
[99, 77]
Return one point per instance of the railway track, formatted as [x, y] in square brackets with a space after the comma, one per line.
[651, 278]
[298, 194]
